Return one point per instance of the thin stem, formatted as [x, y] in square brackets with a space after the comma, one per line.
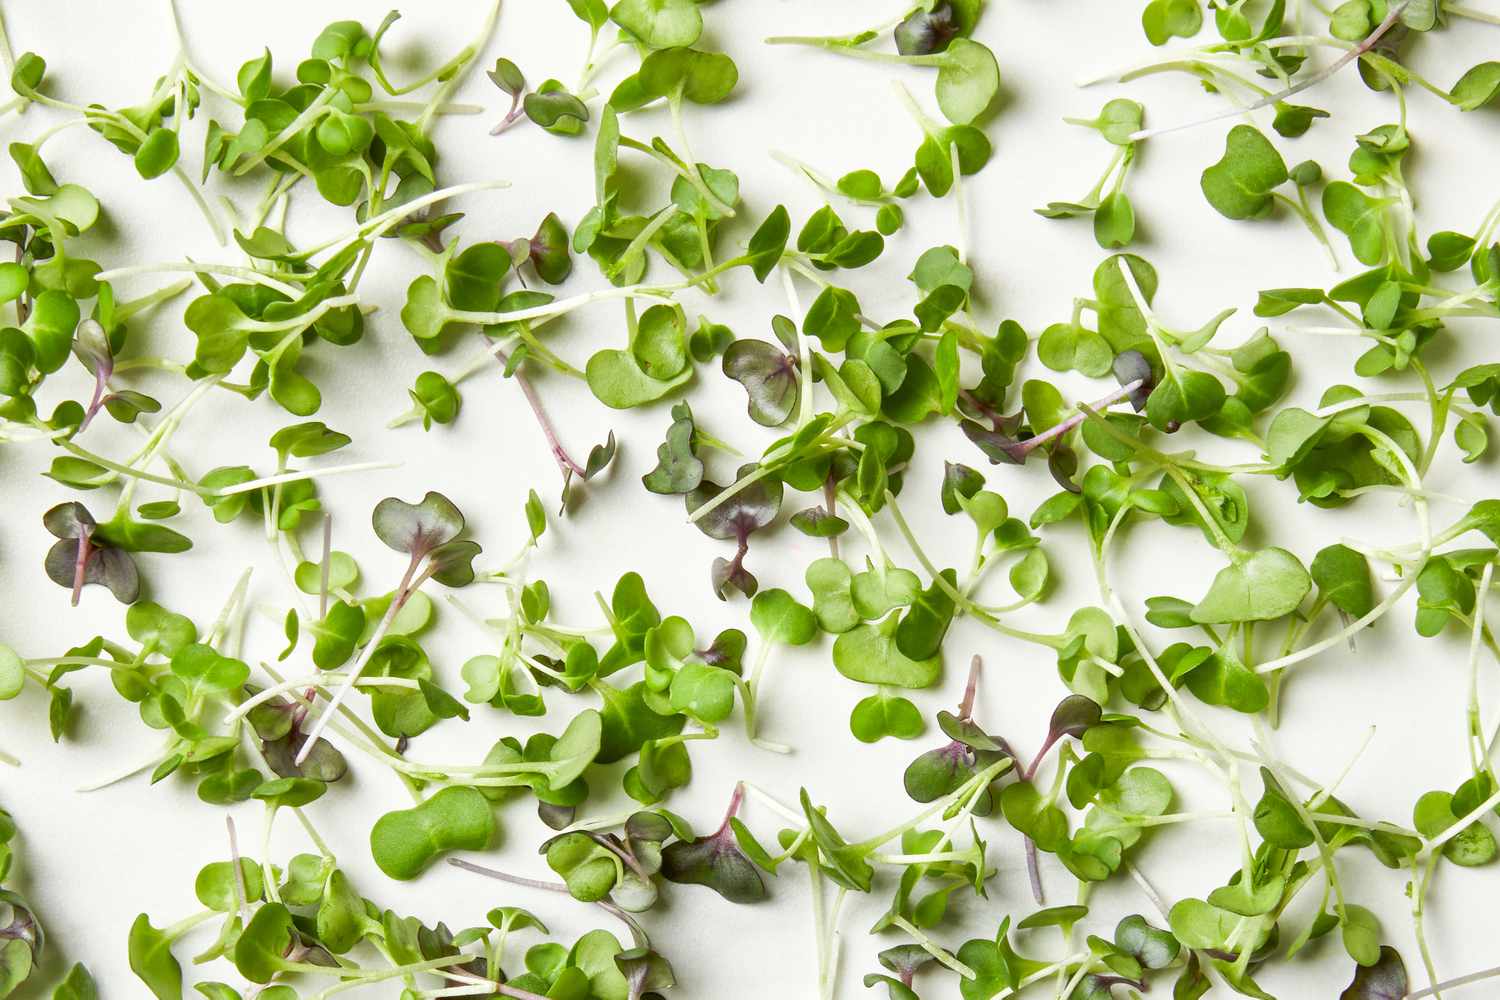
[1303, 211]
[398, 599]
[1472, 977]
[1354, 53]
[804, 350]
[972, 786]
[265, 854]
[815, 876]
[970, 608]
[530, 883]
[1063, 426]
[193, 267]
[311, 113]
[130, 772]
[787, 813]
[961, 205]
[1473, 721]
[385, 220]
[660, 293]
[560, 454]
[296, 475]
[1462, 824]
[319, 681]
[942, 955]
[1307, 652]
[966, 707]
[325, 567]
[635, 928]
[725, 495]
[1041, 974]
[1034, 872]
[750, 695]
[1339, 819]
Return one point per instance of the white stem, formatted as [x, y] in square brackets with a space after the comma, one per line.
[1472, 977]
[385, 220]
[359, 667]
[1306, 652]
[941, 955]
[316, 680]
[1150, 890]
[1323, 794]
[1270, 99]
[1041, 974]
[657, 293]
[1463, 824]
[962, 205]
[191, 267]
[130, 772]
[804, 350]
[298, 475]
[774, 804]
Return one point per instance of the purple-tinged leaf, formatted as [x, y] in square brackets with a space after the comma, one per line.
[419, 528]
[769, 376]
[1385, 980]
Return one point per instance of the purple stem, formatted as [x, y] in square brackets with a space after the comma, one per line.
[966, 707]
[510, 116]
[735, 566]
[742, 540]
[559, 453]
[735, 801]
[81, 563]
[1033, 869]
[97, 402]
[516, 991]
[407, 584]
[1030, 771]
[636, 930]
[530, 883]
[611, 843]
[979, 404]
[1059, 429]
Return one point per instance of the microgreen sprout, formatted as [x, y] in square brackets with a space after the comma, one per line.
[428, 532]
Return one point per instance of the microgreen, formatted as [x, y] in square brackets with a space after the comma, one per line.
[717, 861]
[968, 76]
[1113, 214]
[427, 533]
[1243, 183]
[24, 939]
[746, 511]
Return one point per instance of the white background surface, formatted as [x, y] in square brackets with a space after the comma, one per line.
[91, 862]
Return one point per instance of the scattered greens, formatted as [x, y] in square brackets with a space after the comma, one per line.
[623, 695]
